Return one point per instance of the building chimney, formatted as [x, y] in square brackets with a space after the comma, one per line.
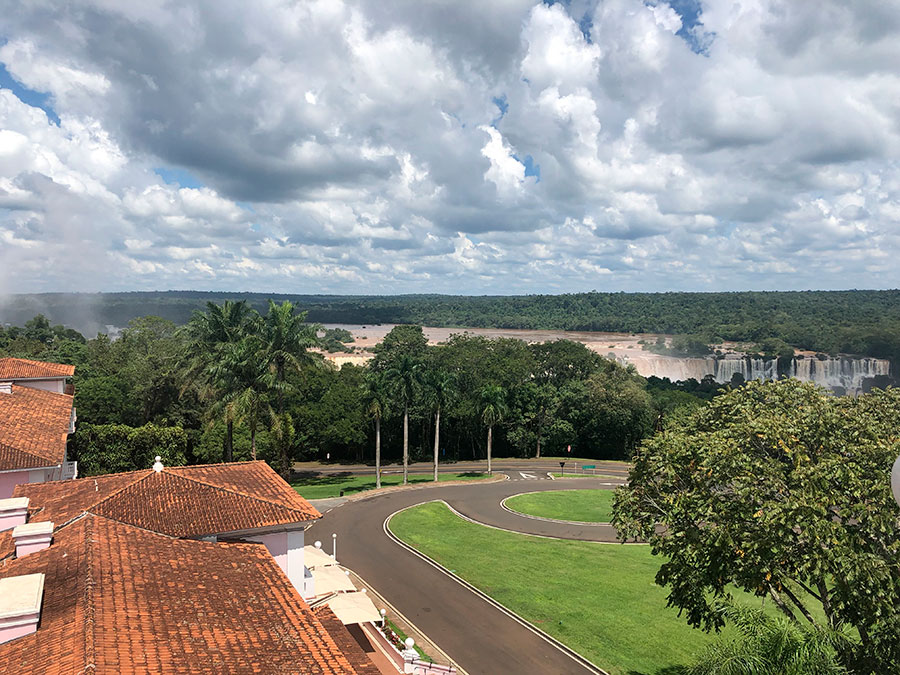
[5, 387]
[20, 605]
[13, 512]
[32, 537]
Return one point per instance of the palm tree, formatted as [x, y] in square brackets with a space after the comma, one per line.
[286, 340]
[248, 398]
[493, 410]
[405, 379]
[440, 390]
[376, 407]
[209, 334]
[772, 644]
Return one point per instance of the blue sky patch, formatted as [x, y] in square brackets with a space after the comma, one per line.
[28, 96]
[179, 177]
[531, 169]
[692, 30]
[503, 106]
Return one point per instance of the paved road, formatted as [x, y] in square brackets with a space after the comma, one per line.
[478, 636]
[506, 465]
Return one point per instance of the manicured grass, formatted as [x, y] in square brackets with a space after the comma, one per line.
[586, 506]
[599, 599]
[322, 487]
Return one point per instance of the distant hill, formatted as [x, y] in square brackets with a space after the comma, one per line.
[858, 322]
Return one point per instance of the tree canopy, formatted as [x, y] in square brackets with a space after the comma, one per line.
[782, 490]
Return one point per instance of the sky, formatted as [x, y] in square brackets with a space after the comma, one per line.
[449, 146]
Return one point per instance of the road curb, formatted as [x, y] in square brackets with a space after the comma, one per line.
[571, 653]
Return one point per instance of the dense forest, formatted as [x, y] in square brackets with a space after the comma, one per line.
[234, 383]
[865, 323]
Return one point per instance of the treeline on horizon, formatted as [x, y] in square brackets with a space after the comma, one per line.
[233, 383]
[864, 323]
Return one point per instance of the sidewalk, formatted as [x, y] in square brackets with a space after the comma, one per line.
[427, 645]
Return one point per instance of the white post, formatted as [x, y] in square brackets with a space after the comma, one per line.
[334, 547]
[383, 612]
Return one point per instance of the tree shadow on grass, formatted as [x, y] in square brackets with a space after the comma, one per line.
[317, 478]
[666, 670]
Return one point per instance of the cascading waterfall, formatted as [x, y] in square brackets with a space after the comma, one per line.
[840, 372]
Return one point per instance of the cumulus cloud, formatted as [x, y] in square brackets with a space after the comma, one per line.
[511, 146]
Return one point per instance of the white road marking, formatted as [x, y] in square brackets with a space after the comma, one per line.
[530, 476]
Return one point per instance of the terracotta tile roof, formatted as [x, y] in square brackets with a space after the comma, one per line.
[228, 498]
[347, 643]
[36, 422]
[12, 459]
[24, 369]
[121, 599]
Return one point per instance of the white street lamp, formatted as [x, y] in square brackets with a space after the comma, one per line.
[895, 480]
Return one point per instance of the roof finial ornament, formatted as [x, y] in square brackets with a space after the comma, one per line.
[157, 465]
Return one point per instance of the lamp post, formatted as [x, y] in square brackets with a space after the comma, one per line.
[383, 612]
[334, 547]
[895, 480]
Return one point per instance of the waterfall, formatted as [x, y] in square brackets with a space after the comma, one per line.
[839, 372]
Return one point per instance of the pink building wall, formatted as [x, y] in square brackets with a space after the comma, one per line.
[9, 479]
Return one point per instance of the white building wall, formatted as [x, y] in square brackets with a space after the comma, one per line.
[287, 549]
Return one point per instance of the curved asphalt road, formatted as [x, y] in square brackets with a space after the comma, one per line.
[478, 636]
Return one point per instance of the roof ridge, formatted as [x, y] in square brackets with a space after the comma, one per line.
[116, 492]
[222, 488]
[90, 660]
[206, 466]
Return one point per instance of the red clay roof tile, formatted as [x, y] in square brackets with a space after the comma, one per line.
[36, 422]
[187, 501]
[12, 459]
[120, 599]
[24, 369]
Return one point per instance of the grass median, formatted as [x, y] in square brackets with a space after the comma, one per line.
[599, 599]
[585, 506]
[331, 485]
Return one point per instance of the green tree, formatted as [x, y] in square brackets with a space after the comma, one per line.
[440, 391]
[772, 645]
[287, 339]
[494, 409]
[403, 340]
[377, 401]
[405, 380]
[112, 448]
[781, 490]
[211, 336]
[245, 373]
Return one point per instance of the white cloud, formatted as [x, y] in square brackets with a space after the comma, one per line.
[362, 147]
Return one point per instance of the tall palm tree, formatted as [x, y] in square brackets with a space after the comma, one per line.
[493, 409]
[376, 407]
[405, 378]
[209, 334]
[286, 340]
[248, 398]
[440, 390]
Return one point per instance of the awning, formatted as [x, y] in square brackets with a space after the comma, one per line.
[315, 557]
[329, 580]
[354, 608]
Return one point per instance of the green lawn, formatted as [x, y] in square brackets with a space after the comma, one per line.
[599, 599]
[586, 506]
[322, 487]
